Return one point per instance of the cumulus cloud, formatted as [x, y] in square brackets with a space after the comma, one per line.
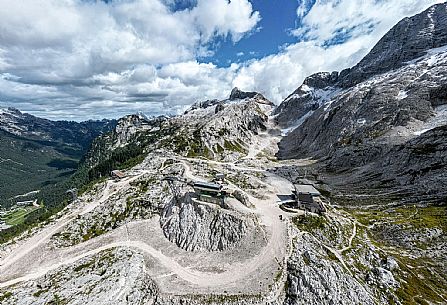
[136, 53]
[75, 59]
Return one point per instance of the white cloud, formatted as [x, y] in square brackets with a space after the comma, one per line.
[88, 59]
[125, 51]
[224, 18]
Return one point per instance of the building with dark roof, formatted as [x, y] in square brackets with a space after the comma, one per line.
[117, 174]
[306, 197]
[209, 192]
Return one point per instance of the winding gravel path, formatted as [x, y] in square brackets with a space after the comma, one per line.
[266, 209]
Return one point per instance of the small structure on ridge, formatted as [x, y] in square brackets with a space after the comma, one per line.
[117, 174]
[307, 197]
[210, 192]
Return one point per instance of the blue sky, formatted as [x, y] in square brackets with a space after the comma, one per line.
[278, 18]
[89, 59]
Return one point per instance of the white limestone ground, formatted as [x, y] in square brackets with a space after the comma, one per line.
[253, 267]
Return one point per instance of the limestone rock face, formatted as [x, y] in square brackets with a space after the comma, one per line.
[194, 226]
[202, 105]
[110, 277]
[315, 91]
[415, 169]
[370, 112]
[315, 278]
[394, 98]
[400, 81]
[220, 131]
[237, 94]
[408, 40]
[127, 127]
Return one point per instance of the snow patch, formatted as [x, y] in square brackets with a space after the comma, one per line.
[439, 119]
[361, 122]
[402, 94]
[297, 124]
[433, 56]
[306, 88]
[419, 132]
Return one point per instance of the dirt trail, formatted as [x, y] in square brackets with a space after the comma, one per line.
[44, 235]
[351, 238]
[266, 209]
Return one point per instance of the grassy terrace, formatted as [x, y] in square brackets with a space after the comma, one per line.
[420, 276]
[416, 217]
[18, 215]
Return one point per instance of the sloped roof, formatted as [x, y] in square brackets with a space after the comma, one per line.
[306, 188]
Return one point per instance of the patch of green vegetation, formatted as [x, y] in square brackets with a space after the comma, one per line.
[219, 149]
[278, 275]
[143, 185]
[426, 217]
[225, 298]
[419, 278]
[29, 165]
[324, 191]
[183, 143]
[83, 266]
[198, 150]
[331, 255]
[38, 293]
[6, 295]
[57, 300]
[345, 141]
[98, 227]
[418, 285]
[234, 146]
[92, 232]
[90, 185]
[305, 259]
[309, 222]
[17, 216]
[417, 217]
[222, 132]
[121, 158]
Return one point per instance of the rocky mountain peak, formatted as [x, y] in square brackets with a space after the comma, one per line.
[202, 105]
[236, 94]
[315, 91]
[393, 96]
[409, 39]
[10, 111]
[321, 80]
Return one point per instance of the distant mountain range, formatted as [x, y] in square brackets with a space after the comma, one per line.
[35, 152]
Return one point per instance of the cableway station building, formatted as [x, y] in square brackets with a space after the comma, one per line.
[209, 192]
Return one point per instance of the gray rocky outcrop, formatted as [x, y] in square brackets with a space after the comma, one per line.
[202, 105]
[110, 277]
[381, 122]
[407, 40]
[237, 94]
[195, 226]
[314, 277]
